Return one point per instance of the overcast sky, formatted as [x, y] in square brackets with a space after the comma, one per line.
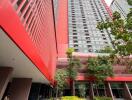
[108, 1]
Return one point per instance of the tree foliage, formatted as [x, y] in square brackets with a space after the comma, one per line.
[72, 68]
[73, 64]
[60, 77]
[129, 2]
[82, 90]
[100, 68]
[130, 13]
[106, 49]
[122, 30]
[69, 52]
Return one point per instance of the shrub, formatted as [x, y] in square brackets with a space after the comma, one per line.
[70, 98]
[102, 98]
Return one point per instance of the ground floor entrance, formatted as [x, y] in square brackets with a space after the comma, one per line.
[116, 90]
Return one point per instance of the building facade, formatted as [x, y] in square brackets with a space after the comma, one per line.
[121, 6]
[83, 18]
[34, 37]
[28, 48]
[86, 39]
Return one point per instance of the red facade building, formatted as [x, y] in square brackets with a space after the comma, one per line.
[30, 25]
[28, 44]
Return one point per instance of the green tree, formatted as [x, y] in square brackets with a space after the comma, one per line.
[60, 78]
[129, 2]
[99, 68]
[121, 29]
[107, 49]
[72, 69]
[130, 13]
[82, 90]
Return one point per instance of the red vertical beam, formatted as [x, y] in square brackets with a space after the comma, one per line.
[62, 27]
[107, 8]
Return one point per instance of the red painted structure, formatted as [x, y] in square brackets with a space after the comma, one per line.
[30, 24]
[116, 78]
[107, 8]
[62, 27]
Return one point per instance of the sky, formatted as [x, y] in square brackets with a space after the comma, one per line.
[108, 1]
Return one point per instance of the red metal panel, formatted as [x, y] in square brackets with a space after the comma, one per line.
[109, 79]
[26, 8]
[14, 2]
[21, 5]
[119, 79]
[62, 27]
[29, 12]
[39, 44]
[107, 8]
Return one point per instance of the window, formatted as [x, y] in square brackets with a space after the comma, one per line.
[75, 45]
[74, 30]
[84, 19]
[88, 41]
[74, 33]
[106, 42]
[102, 31]
[75, 41]
[103, 34]
[90, 50]
[76, 50]
[89, 46]
[73, 24]
[84, 24]
[86, 30]
[85, 27]
[104, 38]
[74, 21]
[88, 38]
[74, 37]
[74, 27]
[87, 34]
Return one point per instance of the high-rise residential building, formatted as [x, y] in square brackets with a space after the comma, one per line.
[122, 6]
[83, 18]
